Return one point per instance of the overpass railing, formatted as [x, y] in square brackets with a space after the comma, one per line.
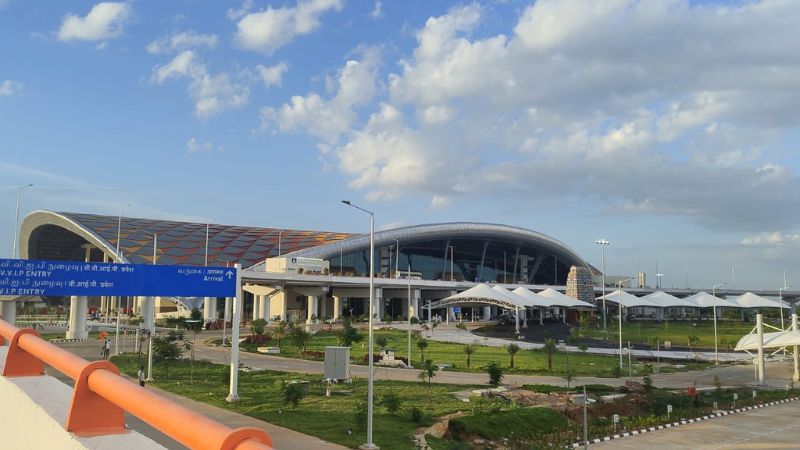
[101, 396]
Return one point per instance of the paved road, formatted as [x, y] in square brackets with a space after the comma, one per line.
[778, 373]
[283, 438]
[775, 427]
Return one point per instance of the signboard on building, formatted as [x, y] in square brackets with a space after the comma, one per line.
[22, 277]
[297, 264]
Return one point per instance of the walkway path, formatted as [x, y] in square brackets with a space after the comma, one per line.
[772, 427]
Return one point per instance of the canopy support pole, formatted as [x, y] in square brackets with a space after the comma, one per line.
[760, 341]
[796, 376]
[516, 317]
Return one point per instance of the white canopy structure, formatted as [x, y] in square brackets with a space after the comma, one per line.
[539, 301]
[771, 340]
[522, 301]
[664, 300]
[481, 294]
[627, 300]
[558, 299]
[706, 300]
[750, 300]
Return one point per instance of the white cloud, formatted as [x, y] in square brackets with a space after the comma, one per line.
[268, 30]
[771, 239]
[181, 41]
[212, 93]
[377, 11]
[272, 76]
[105, 21]
[10, 87]
[195, 145]
[236, 14]
[328, 119]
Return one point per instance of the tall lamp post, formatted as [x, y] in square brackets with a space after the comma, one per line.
[602, 243]
[619, 315]
[119, 260]
[397, 259]
[716, 346]
[369, 444]
[16, 221]
[280, 235]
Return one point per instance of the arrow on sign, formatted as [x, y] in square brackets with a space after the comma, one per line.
[229, 274]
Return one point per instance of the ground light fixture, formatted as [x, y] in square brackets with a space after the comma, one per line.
[369, 444]
[602, 243]
[716, 346]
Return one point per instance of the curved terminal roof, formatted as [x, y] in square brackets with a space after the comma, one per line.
[59, 236]
[455, 230]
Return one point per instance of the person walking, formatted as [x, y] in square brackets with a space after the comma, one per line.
[106, 348]
[141, 376]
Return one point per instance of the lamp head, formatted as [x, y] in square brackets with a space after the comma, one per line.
[346, 202]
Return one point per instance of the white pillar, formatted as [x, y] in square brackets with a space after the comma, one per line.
[796, 376]
[379, 310]
[311, 308]
[256, 304]
[209, 309]
[487, 313]
[417, 294]
[9, 311]
[263, 307]
[524, 317]
[541, 316]
[285, 306]
[322, 308]
[77, 318]
[233, 392]
[337, 307]
[760, 331]
[148, 309]
[516, 318]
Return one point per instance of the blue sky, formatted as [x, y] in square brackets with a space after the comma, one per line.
[668, 127]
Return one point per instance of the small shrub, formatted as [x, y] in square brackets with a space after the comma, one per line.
[416, 415]
[292, 394]
[495, 374]
[391, 402]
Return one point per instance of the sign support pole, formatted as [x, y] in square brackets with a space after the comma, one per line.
[233, 394]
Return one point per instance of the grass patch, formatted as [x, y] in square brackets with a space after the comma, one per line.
[328, 418]
[524, 422]
[651, 333]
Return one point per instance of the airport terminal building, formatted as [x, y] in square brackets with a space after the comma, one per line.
[456, 254]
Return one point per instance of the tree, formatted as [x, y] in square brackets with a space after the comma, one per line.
[349, 335]
[569, 374]
[391, 402]
[692, 339]
[495, 374]
[461, 326]
[469, 350]
[188, 346]
[422, 344]
[583, 348]
[166, 349]
[647, 381]
[292, 394]
[301, 338]
[512, 350]
[195, 325]
[280, 331]
[257, 328]
[550, 348]
[428, 372]
[382, 341]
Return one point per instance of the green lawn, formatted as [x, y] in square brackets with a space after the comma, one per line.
[326, 417]
[525, 362]
[728, 332]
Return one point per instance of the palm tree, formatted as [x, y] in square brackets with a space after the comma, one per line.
[469, 349]
[422, 344]
[692, 339]
[428, 371]
[512, 350]
[550, 348]
[461, 327]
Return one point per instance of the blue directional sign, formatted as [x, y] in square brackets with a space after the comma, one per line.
[30, 277]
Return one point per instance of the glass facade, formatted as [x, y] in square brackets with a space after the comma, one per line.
[459, 259]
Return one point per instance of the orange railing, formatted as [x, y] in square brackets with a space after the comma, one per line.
[101, 397]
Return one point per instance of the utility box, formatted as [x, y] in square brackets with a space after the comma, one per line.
[337, 363]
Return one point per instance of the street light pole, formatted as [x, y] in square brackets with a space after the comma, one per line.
[397, 259]
[370, 388]
[714, 294]
[408, 276]
[602, 243]
[619, 315]
[16, 221]
[119, 260]
[280, 235]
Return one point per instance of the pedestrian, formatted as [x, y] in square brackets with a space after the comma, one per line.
[106, 348]
[141, 376]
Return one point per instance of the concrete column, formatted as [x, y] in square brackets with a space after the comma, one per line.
[9, 311]
[541, 316]
[417, 294]
[263, 307]
[516, 319]
[311, 309]
[447, 313]
[285, 306]
[77, 318]
[378, 307]
[524, 312]
[322, 308]
[256, 304]
[209, 309]
[337, 307]
[486, 313]
[148, 312]
[226, 315]
[760, 331]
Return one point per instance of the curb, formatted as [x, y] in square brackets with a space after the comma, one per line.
[682, 422]
[60, 341]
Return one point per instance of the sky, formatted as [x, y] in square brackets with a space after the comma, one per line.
[668, 127]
